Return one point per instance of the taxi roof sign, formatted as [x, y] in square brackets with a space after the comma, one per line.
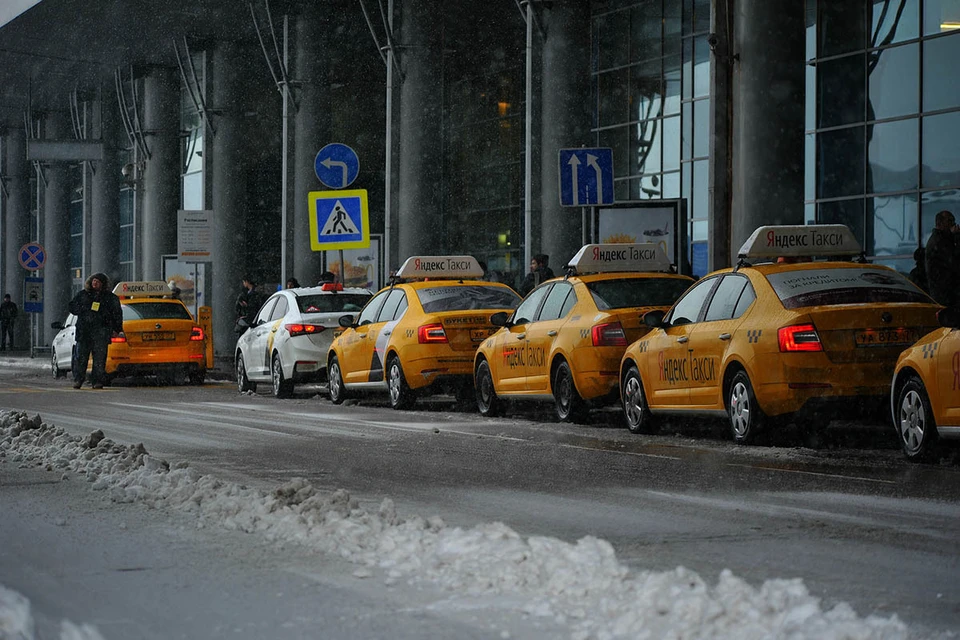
[142, 289]
[601, 258]
[449, 267]
[800, 240]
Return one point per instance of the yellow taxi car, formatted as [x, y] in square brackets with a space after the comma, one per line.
[766, 343]
[160, 337]
[925, 392]
[418, 335]
[565, 340]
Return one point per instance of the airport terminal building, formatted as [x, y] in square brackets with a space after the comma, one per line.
[119, 117]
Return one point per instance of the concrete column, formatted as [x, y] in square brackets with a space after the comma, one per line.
[420, 128]
[17, 231]
[311, 132]
[105, 203]
[227, 172]
[161, 175]
[769, 116]
[565, 117]
[56, 229]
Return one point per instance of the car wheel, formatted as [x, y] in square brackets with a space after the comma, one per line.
[487, 401]
[913, 418]
[400, 395]
[55, 367]
[243, 382]
[746, 418]
[636, 411]
[569, 404]
[338, 392]
[282, 388]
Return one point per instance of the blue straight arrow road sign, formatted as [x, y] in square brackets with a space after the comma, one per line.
[586, 177]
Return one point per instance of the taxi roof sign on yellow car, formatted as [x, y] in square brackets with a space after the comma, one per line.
[606, 258]
[142, 289]
[796, 240]
[447, 267]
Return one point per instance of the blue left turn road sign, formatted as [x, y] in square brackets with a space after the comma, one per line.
[337, 165]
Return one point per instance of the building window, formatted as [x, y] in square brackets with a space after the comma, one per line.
[75, 173]
[191, 150]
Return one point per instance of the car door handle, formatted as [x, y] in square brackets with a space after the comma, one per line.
[682, 339]
[386, 333]
[724, 336]
[551, 333]
[521, 336]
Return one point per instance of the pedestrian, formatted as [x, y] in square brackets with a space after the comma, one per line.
[327, 277]
[918, 275]
[99, 318]
[539, 272]
[248, 304]
[942, 262]
[8, 314]
[292, 283]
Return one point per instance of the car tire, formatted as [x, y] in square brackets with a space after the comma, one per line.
[913, 418]
[487, 401]
[400, 395]
[335, 386]
[55, 367]
[636, 410]
[746, 418]
[282, 388]
[243, 382]
[568, 403]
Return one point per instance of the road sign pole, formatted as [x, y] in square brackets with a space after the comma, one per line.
[583, 226]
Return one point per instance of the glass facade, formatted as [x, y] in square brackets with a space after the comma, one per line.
[651, 75]
[76, 219]
[882, 115]
[191, 139]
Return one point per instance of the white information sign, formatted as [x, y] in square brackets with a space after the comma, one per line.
[195, 236]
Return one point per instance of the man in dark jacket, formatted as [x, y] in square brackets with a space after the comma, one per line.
[248, 304]
[539, 272]
[99, 318]
[8, 314]
[942, 260]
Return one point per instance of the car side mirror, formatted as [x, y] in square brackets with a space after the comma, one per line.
[654, 318]
[500, 319]
[949, 317]
[57, 325]
[345, 321]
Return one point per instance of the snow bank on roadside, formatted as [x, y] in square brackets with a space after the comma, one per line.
[581, 585]
[16, 621]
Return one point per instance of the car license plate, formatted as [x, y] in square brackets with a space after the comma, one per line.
[158, 336]
[479, 335]
[886, 337]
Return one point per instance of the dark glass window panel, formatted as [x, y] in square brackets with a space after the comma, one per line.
[646, 90]
[528, 308]
[672, 73]
[841, 162]
[126, 244]
[810, 15]
[687, 17]
[646, 155]
[701, 128]
[686, 182]
[618, 141]
[154, 311]
[345, 302]
[621, 190]
[842, 91]
[688, 308]
[671, 184]
[686, 137]
[687, 69]
[614, 105]
[645, 23]
[701, 69]
[390, 306]
[894, 225]
[810, 97]
[940, 87]
[369, 312]
[613, 39]
[554, 303]
[76, 217]
[701, 186]
[671, 143]
[701, 15]
[842, 27]
[893, 21]
[126, 206]
[671, 27]
[932, 202]
[893, 82]
[746, 299]
[940, 16]
[76, 252]
[725, 299]
[892, 156]
[628, 293]
[941, 153]
[848, 212]
[810, 167]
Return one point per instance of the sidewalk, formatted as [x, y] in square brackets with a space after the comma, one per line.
[21, 359]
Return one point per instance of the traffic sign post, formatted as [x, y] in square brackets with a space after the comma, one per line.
[339, 220]
[586, 177]
[337, 165]
[32, 256]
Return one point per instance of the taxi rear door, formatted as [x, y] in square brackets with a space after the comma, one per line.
[358, 346]
[542, 334]
[264, 333]
[948, 376]
[713, 337]
[256, 339]
[511, 348]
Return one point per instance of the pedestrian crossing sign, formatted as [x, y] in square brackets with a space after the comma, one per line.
[339, 220]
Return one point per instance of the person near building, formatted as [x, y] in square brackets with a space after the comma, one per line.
[539, 272]
[918, 275]
[326, 277]
[292, 283]
[248, 304]
[8, 315]
[942, 260]
[99, 318]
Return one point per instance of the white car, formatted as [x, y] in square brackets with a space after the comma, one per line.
[61, 349]
[291, 335]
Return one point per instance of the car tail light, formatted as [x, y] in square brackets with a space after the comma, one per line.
[431, 333]
[196, 334]
[120, 337]
[609, 335]
[799, 337]
[303, 329]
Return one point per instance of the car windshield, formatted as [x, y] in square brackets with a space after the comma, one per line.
[624, 293]
[465, 298]
[332, 302]
[854, 285]
[155, 310]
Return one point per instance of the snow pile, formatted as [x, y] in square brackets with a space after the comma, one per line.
[581, 585]
[16, 621]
